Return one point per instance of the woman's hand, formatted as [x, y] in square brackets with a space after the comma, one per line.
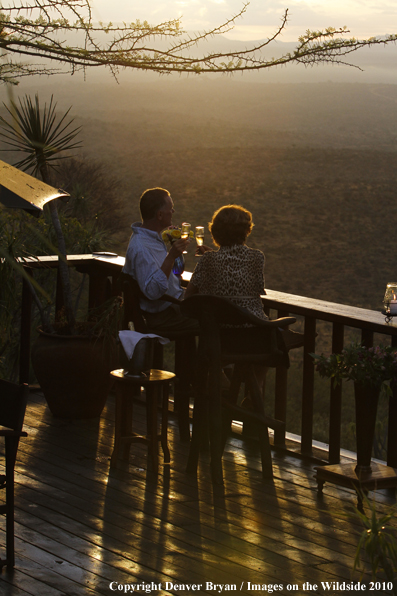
[200, 250]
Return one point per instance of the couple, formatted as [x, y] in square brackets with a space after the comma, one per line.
[234, 271]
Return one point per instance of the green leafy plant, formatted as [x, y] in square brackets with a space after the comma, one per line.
[378, 543]
[42, 137]
[45, 139]
[371, 366]
[39, 134]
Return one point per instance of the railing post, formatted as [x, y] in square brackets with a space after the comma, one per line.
[280, 397]
[26, 322]
[392, 423]
[59, 301]
[335, 412]
[99, 289]
[308, 385]
[367, 338]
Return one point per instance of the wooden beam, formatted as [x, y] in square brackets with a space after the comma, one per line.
[280, 397]
[308, 386]
[392, 423]
[335, 412]
[26, 322]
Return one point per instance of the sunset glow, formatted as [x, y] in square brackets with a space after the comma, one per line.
[363, 18]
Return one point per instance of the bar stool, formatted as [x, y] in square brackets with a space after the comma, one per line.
[156, 384]
[224, 340]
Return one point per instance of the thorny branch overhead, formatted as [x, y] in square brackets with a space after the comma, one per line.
[62, 31]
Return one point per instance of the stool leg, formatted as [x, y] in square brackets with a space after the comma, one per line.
[235, 384]
[10, 443]
[118, 416]
[280, 403]
[164, 424]
[199, 423]
[215, 425]
[151, 413]
[184, 356]
[263, 432]
[126, 419]
[266, 457]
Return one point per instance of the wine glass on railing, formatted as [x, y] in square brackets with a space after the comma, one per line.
[199, 237]
[185, 232]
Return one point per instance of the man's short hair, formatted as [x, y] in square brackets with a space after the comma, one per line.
[151, 201]
[231, 225]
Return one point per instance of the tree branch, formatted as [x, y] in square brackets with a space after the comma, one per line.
[130, 46]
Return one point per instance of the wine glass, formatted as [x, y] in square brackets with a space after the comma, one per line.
[185, 232]
[199, 237]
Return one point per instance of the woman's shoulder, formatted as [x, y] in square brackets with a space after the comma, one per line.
[204, 262]
[254, 252]
[209, 255]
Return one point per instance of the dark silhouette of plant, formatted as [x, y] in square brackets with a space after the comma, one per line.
[42, 138]
[95, 195]
[378, 543]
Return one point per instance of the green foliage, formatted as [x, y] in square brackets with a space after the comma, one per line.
[378, 543]
[370, 366]
[107, 318]
[37, 133]
[94, 196]
[23, 237]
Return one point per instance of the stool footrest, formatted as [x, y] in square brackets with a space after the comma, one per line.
[254, 416]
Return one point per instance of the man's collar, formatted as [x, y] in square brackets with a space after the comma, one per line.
[137, 228]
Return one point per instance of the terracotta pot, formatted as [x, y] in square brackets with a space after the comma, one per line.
[73, 372]
[366, 398]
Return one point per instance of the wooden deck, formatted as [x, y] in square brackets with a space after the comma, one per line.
[82, 529]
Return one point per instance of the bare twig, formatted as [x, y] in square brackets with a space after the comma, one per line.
[37, 29]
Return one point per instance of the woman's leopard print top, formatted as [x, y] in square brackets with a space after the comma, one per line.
[234, 272]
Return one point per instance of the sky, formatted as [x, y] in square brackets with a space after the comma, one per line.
[364, 18]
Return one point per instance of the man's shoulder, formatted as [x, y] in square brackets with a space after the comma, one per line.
[141, 235]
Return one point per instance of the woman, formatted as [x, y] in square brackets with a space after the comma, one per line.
[235, 271]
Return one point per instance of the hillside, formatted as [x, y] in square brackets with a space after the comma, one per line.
[316, 163]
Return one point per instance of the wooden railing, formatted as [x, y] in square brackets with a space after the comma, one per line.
[340, 316]
[103, 272]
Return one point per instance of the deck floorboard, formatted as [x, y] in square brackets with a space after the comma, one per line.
[81, 526]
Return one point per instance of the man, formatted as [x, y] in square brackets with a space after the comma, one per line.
[148, 261]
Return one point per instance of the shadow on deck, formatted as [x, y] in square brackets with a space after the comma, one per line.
[82, 529]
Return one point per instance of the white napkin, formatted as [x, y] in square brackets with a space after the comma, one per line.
[129, 339]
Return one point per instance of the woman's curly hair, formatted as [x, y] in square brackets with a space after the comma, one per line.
[231, 224]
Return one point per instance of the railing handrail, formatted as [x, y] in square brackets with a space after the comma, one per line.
[351, 316]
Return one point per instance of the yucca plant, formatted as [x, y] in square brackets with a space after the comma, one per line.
[42, 137]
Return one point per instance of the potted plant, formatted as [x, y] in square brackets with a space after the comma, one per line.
[372, 370]
[378, 544]
[71, 360]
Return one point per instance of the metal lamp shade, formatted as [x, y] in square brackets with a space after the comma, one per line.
[21, 191]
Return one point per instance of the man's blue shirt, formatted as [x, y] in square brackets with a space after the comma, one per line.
[145, 255]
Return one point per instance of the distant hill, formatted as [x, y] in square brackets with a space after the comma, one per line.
[315, 162]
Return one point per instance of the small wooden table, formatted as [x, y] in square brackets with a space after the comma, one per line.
[156, 384]
[379, 477]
